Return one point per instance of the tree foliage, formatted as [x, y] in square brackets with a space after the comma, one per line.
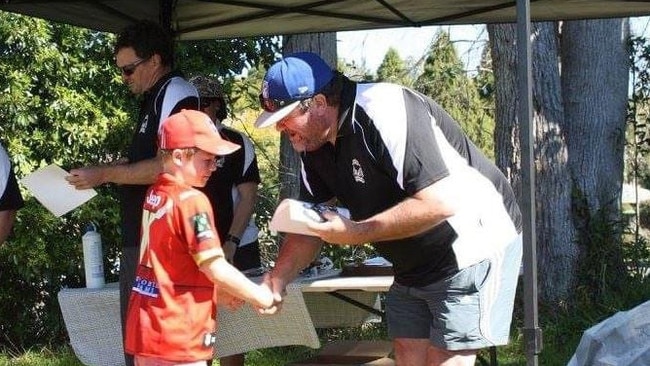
[638, 149]
[444, 79]
[484, 80]
[393, 69]
[63, 102]
[225, 58]
[355, 71]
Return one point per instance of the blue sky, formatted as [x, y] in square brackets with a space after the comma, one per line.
[368, 48]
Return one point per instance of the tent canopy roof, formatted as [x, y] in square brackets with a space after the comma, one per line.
[210, 19]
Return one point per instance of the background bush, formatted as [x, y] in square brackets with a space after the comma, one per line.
[63, 102]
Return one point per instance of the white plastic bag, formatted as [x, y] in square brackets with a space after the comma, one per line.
[620, 340]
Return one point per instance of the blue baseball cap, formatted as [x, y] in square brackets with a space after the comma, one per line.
[296, 77]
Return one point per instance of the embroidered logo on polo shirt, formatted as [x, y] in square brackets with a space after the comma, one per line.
[143, 126]
[220, 161]
[357, 172]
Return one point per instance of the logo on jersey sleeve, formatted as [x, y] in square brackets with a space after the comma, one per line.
[153, 199]
[146, 285]
[202, 229]
[357, 172]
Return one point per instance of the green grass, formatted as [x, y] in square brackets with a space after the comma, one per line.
[279, 356]
[45, 357]
[562, 330]
[511, 355]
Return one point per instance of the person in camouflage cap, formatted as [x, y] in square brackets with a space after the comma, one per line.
[212, 97]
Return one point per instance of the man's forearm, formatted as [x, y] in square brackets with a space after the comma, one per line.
[296, 253]
[412, 216]
[244, 209]
[142, 172]
[6, 224]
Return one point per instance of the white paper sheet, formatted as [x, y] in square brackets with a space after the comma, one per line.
[291, 216]
[50, 188]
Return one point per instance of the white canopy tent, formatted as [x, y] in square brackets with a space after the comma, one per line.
[214, 19]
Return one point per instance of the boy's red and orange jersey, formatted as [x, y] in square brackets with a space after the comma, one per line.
[172, 305]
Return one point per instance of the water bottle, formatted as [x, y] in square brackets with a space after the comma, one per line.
[93, 261]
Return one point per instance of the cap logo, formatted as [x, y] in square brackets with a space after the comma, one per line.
[303, 89]
[210, 125]
[265, 89]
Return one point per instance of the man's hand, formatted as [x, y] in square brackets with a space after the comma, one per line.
[86, 178]
[229, 249]
[337, 229]
[278, 290]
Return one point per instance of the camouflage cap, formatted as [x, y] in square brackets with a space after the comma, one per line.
[207, 87]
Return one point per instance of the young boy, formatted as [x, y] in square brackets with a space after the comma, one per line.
[171, 314]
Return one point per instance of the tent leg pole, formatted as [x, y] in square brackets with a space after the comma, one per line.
[166, 15]
[532, 333]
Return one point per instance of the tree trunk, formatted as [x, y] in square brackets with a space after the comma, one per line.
[579, 129]
[557, 251]
[323, 44]
[594, 84]
[506, 131]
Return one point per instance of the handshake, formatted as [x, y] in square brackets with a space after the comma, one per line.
[276, 290]
[265, 297]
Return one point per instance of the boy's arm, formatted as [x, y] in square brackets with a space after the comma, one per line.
[231, 280]
[229, 301]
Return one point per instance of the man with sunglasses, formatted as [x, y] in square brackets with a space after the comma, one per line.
[144, 56]
[417, 189]
[232, 190]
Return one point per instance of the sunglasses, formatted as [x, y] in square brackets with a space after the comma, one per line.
[272, 105]
[129, 69]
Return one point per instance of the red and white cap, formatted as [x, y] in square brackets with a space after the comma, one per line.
[189, 128]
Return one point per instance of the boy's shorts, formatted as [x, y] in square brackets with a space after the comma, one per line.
[154, 361]
[469, 310]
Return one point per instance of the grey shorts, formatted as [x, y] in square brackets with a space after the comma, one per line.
[469, 310]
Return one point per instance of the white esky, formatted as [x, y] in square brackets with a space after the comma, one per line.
[368, 48]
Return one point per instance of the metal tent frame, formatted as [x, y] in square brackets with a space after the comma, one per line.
[206, 19]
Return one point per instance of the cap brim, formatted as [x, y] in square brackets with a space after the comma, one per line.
[220, 147]
[267, 119]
